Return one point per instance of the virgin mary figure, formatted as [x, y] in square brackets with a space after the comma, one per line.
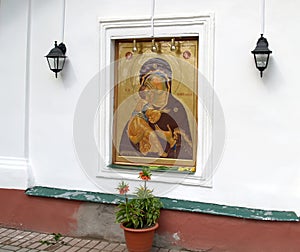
[159, 125]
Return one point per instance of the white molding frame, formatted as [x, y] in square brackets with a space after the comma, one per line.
[201, 26]
[14, 172]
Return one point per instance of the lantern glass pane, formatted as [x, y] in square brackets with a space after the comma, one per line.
[60, 63]
[51, 62]
[56, 64]
[261, 60]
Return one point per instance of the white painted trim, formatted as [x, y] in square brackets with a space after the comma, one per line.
[13, 162]
[201, 26]
[14, 172]
[27, 83]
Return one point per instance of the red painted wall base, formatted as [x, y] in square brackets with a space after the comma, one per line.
[189, 230]
[220, 233]
[40, 214]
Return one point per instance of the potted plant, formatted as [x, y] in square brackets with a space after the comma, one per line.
[138, 215]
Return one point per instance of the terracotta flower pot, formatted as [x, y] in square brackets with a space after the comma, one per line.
[139, 240]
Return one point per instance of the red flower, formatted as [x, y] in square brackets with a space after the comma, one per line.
[145, 174]
[123, 188]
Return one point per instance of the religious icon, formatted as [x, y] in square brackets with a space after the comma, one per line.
[158, 129]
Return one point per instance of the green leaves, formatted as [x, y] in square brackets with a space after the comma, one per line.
[54, 240]
[139, 212]
[143, 210]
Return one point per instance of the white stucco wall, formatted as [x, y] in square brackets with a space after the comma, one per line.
[259, 167]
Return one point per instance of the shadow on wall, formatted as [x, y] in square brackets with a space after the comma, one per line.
[68, 75]
[272, 76]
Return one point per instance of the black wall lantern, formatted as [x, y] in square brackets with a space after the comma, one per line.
[261, 54]
[56, 57]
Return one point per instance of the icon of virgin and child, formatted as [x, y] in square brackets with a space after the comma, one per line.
[158, 126]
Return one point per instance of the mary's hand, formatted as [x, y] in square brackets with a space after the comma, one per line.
[168, 134]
